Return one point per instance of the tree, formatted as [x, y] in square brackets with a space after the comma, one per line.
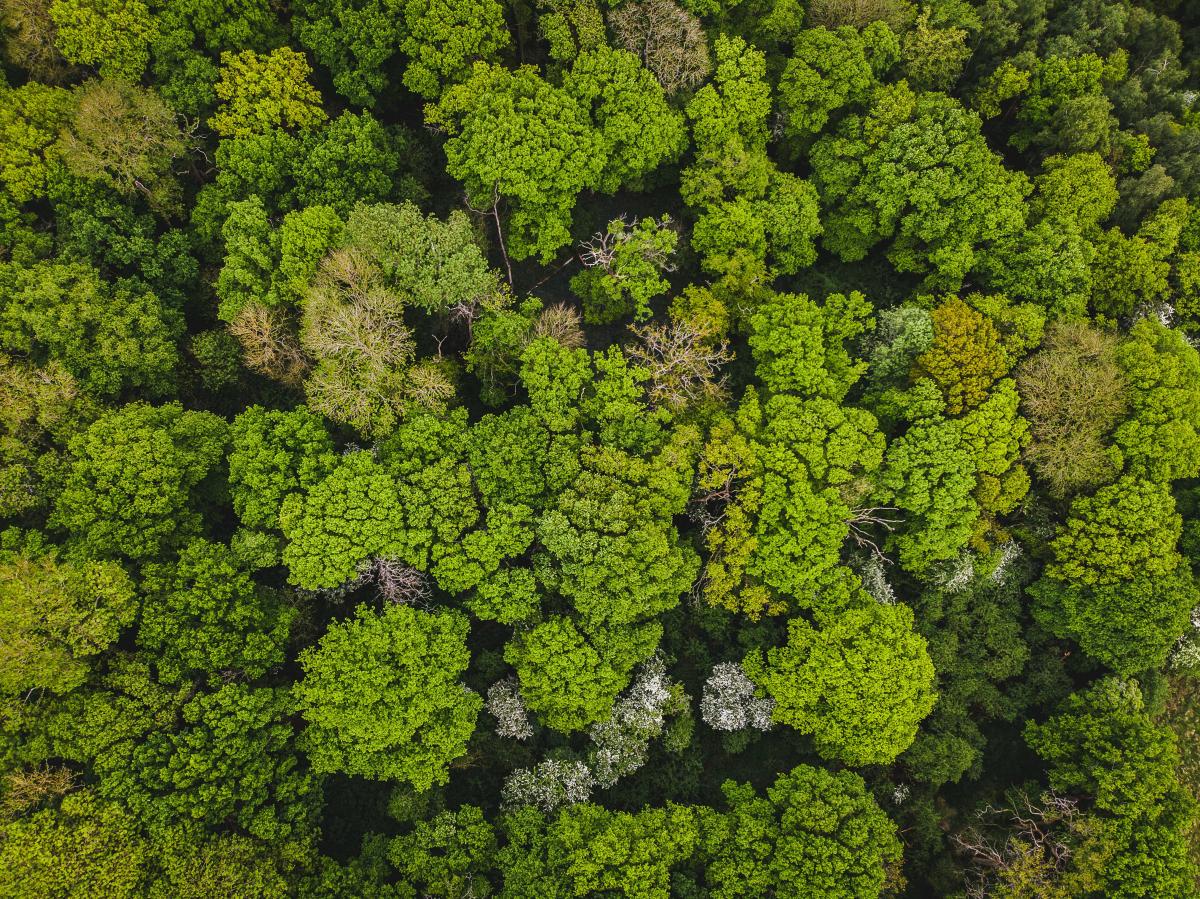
[31, 117]
[636, 129]
[126, 137]
[445, 37]
[929, 474]
[447, 855]
[1117, 584]
[354, 39]
[933, 57]
[966, 356]
[588, 849]
[799, 347]
[1073, 392]
[114, 35]
[749, 209]
[623, 268]
[513, 136]
[1160, 439]
[259, 93]
[86, 847]
[947, 195]
[30, 41]
[668, 40]
[344, 519]
[860, 684]
[828, 70]
[432, 264]
[1103, 745]
[1127, 529]
[173, 758]
[55, 616]
[608, 542]
[205, 615]
[110, 337]
[273, 454]
[815, 833]
[382, 698]
[128, 488]
[564, 680]
[353, 326]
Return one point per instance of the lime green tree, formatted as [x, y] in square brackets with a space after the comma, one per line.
[382, 697]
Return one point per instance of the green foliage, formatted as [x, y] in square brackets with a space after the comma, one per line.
[128, 489]
[799, 347]
[748, 209]
[915, 170]
[625, 270]
[55, 616]
[1159, 439]
[382, 698]
[444, 38]
[432, 264]
[828, 71]
[564, 680]
[273, 454]
[86, 847]
[448, 854]
[30, 117]
[205, 615]
[111, 337]
[515, 136]
[1117, 585]
[929, 475]
[114, 35]
[860, 684]
[815, 833]
[350, 515]
[353, 39]
[260, 93]
[636, 129]
[214, 758]
[1104, 745]
[588, 849]
[127, 137]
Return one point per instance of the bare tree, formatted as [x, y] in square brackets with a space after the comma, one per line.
[669, 40]
[397, 583]
[269, 343]
[25, 788]
[559, 322]
[683, 364]
[876, 516]
[1029, 844]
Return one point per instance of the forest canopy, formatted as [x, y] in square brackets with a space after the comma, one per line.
[664, 449]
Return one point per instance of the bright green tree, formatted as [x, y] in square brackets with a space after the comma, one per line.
[382, 697]
[636, 129]
[589, 850]
[56, 616]
[914, 169]
[274, 453]
[564, 680]
[860, 684]
[205, 615]
[110, 336]
[445, 37]
[343, 520]
[516, 137]
[259, 93]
